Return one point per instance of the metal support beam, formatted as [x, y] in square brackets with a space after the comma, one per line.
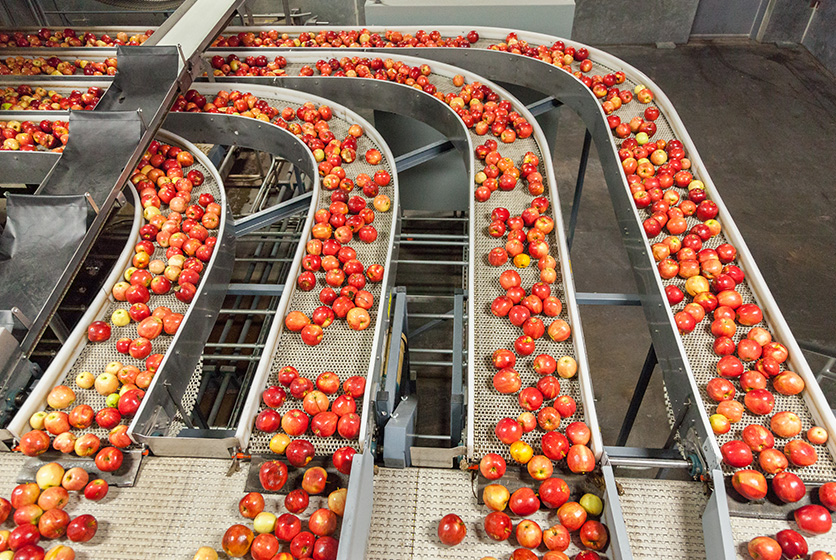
[576, 199]
[638, 396]
[543, 106]
[422, 155]
[268, 216]
[607, 298]
[457, 382]
[255, 290]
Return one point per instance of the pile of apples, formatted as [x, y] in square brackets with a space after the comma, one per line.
[659, 176]
[553, 494]
[26, 98]
[28, 136]
[501, 173]
[259, 65]
[344, 38]
[68, 38]
[59, 423]
[184, 235]
[231, 103]
[39, 514]
[559, 54]
[327, 252]
[323, 417]
[54, 66]
[271, 533]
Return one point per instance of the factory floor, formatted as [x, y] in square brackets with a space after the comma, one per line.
[764, 121]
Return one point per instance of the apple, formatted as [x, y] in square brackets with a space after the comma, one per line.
[757, 437]
[759, 401]
[556, 538]
[96, 490]
[272, 475]
[800, 453]
[82, 528]
[22, 536]
[733, 410]
[750, 484]
[49, 475]
[594, 535]
[719, 424]
[237, 540]
[60, 397]
[736, 453]
[508, 431]
[451, 530]
[764, 548]
[264, 547]
[299, 452]
[785, 424]
[813, 519]
[85, 380]
[524, 502]
[98, 331]
[720, 389]
[772, 461]
[322, 522]
[53, 524]
[555, 445]
[251, 505]
[492, 466]
[528, 534]
[74, 480]
[827, 495]
[287, 527]
[109, 459]
[788, 383]
[498, 526]
[788, 487]
[554, 492]
[572, 516]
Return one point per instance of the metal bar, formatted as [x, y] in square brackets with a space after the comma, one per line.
[432, 236]
[607, 298]
[650, 362]
[271, 215]
[439, 263]
[419, 297]
[256, 289]
[247, 312]
[264, 259]
[431, 242]
[429, 219]
[649, 463]
[422, 155]
[232, 345]
[429, 436]
[543, 106]
[431, 350]
[457, 381]
[230, 357]
[576, 200]
[424, 328]
[449, 315]
[431, 363]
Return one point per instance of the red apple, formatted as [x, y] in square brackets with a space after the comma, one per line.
[451, 530]
[813, 519]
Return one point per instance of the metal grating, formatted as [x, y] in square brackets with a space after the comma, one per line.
[342, 350]
[698, 344]
[95, 357]
[408, 504]
[649, 504]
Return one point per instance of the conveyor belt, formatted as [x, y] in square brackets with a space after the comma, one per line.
[408, 504]
[663, 518]
[342, 350]
[490, 406]
[94, 358]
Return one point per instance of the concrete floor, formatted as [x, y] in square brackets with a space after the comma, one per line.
[764, 121]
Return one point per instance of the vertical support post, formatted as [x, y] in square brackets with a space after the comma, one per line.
[456, 385]
[576, 199]
[638, 396]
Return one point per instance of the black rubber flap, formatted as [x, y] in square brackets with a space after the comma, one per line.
[40, 238]
[143, 81]
[100, 146]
